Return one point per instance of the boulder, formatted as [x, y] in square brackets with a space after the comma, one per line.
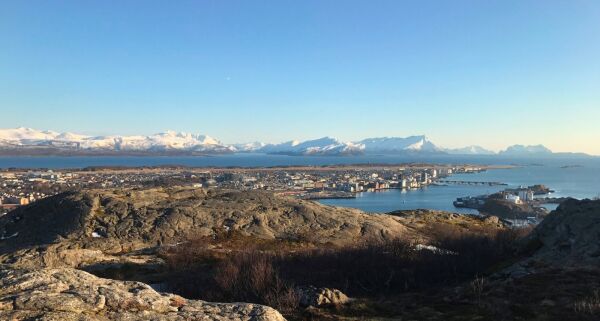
[318, 297]
[67, 294]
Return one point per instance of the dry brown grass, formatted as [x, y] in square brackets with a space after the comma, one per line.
[221, 269]
[233, 267]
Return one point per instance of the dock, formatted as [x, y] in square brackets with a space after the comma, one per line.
[473, 183]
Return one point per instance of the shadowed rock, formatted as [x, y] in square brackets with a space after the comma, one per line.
[570, 235]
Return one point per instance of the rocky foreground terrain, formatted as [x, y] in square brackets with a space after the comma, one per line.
[45, 246]
[569, 236]
[41, 244]
[79, 228]
[69, 294]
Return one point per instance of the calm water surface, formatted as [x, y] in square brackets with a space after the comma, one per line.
[582, 181]
[578, 182]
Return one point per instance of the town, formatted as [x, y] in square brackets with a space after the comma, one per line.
[20, 187]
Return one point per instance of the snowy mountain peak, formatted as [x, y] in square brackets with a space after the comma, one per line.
[169, 140]
[192, 138]
[399, 144]
[23, 137]
[320, 146]
[470, 150]
[24, 133]
[329, 146]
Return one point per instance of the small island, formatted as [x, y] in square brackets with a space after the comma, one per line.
[570, 166]
[512, 203]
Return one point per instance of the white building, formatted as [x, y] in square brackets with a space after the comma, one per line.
[513, 199]
[526, 195]
[404, 184]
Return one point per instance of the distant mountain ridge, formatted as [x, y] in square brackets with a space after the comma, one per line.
[521, 149]
[167, 141]
[321, 146]
[332, 146]
[399, 145]
[470, 150]
[23, 140]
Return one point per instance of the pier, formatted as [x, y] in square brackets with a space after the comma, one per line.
[473, 183]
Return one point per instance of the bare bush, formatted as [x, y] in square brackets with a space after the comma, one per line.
[257, 272]
[251, 277]
[477, 286]
[589, 305]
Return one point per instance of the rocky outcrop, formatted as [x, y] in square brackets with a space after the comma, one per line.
[508, 210]
[319, 297]
[78, 228]
[68, 295]
[432, 224]
[570, 235]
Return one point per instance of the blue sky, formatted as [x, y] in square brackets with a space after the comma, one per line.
[491, 73]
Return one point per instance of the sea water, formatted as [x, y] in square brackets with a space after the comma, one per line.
[577, 177]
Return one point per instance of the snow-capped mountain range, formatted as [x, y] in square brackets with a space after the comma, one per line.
[399, 145]
[167, 141]
[26, 138]
[381, 145]
[470, 150]
[322, 146]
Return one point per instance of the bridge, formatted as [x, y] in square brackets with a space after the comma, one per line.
[472, 183]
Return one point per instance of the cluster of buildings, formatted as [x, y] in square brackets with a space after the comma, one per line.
[519, 196]
[343, 182]
[22, 187]
[523, 196]
[18, 188]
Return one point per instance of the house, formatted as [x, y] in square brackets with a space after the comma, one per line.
[513, 198]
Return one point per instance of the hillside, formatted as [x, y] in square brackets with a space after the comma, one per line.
[121, 221]
[208, 244]
[570, 235]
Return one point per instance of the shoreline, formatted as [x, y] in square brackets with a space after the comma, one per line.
[323, 168]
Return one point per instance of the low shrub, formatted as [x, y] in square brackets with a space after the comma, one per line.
[589, 305]
[369, 269]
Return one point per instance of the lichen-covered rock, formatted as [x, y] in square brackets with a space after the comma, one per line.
[108, 223]
[318, 297]
[68, 295]
[570, 235]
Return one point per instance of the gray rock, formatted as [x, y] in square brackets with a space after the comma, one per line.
[67, 295]
[570, 235]
[107, 223]
[318, 297]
